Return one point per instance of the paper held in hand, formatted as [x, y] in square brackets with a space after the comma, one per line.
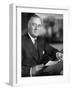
[49, 63]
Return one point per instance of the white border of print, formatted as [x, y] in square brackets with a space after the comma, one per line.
[15, 47]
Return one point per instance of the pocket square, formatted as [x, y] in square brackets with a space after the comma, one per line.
[43, 52]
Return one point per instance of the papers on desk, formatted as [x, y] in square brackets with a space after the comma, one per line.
[49, 63]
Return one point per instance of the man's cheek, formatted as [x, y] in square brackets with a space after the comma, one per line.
[32, 27]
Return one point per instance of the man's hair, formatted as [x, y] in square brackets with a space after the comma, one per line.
[35, 16]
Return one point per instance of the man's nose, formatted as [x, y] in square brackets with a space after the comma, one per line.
[36, 27]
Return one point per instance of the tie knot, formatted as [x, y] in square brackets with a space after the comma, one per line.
[35, 40]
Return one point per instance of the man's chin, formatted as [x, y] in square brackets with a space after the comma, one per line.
[36, 35]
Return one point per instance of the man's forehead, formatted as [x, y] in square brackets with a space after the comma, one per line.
[36, 19]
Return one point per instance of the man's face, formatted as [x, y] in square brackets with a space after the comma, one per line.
[34, 26]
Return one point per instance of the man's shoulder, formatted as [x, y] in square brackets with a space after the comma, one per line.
[43, 39]
[25, 36]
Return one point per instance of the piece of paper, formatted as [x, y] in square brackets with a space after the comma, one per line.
[51, 63]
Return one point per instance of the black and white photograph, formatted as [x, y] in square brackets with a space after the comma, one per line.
[41, 44]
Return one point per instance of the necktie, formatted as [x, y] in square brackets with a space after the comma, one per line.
[35, 44]
[37, 49]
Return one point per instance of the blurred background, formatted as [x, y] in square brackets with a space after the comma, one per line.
[52, 24]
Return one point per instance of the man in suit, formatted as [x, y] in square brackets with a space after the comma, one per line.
[36, 52]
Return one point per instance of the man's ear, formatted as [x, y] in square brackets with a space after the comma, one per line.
[29, 22]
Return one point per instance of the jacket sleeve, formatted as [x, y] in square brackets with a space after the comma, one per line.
[25, 69]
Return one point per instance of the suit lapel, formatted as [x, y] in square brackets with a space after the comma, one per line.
[32, 48]
[40, 47]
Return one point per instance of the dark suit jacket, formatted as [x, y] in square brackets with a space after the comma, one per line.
[32, 57]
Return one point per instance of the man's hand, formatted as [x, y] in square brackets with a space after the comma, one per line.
[37, 68]
[59, 56]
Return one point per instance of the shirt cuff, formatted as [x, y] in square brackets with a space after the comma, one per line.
[31, 72]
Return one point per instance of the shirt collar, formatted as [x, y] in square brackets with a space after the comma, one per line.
[33, 39]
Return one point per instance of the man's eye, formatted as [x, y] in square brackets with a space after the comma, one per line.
[33, 24]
